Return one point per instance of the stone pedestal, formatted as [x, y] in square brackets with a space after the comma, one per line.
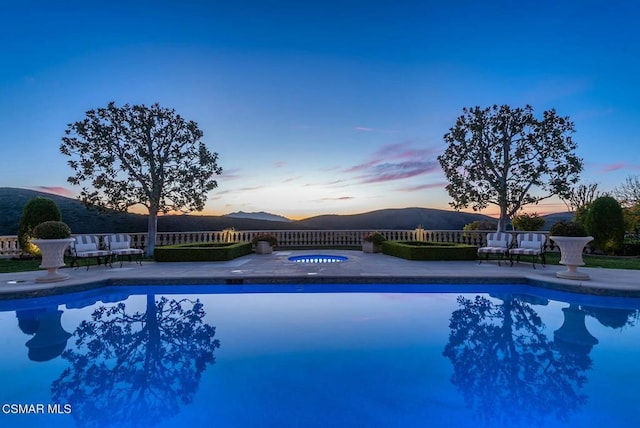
[370, 247]
[571, 248]
[52, 251]
[263, 247]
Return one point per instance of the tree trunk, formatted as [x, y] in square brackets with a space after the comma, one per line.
[152, 230]
[503, 220]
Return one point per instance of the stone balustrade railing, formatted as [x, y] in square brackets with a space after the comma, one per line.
[290, 238]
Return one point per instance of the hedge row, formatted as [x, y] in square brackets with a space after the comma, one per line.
[203, 252]
[424, 250]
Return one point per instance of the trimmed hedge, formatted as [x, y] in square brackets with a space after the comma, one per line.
[203, 252]
[425, 250]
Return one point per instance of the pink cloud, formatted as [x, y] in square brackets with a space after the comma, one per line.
[279, 164]
[397, 171]
[404, 150]
[56, 190]
[423, 187]
[367, 129]
[618, 166]
[396, 161]
[362, 166]
[231, 174]
[290, 179]
[340, 198]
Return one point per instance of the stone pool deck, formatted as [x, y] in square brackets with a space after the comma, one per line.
[360, 268]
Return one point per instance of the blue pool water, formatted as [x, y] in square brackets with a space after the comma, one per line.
[320, 356]
[318, 258]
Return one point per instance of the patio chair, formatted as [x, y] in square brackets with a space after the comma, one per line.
[120, 246]
[88, 247]
[498, 243]
[529, 244]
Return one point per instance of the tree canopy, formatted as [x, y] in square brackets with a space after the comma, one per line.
[506, 157]
[628, 193]
[139, 155]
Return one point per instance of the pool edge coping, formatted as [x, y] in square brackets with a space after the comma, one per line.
[560, 285]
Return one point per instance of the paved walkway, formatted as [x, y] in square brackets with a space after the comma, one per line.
[360, 268]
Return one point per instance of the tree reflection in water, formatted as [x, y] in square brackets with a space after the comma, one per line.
[507, 369]
[135, 369]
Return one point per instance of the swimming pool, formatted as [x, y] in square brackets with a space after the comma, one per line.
[318, 355]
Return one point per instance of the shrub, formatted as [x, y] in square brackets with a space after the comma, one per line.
[567, 228]
[425, 250]
[632, 218]
[631, 246]
[202, 252]
[528, 222]
[37, 210]
[376, 238]
[481, 225]
[271, 239]
[51, 230]
[605, 222]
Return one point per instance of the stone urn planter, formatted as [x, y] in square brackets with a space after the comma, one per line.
[53, 238]
[571, 249]
[370, 247]
[263, 247]
[264, 243]
[372, 242]
[52, 258]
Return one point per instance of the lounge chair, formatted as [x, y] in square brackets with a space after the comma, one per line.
[497, 243]
[529, 244]
[88, 247]
[120, 245]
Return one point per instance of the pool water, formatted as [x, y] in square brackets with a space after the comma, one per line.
[304, 356]
[318, 258]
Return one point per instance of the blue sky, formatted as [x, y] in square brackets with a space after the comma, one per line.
[320, 107]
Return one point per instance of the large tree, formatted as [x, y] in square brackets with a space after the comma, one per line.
[506, 157]
[139, 155]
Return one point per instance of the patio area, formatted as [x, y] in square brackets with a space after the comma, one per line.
[359, 268]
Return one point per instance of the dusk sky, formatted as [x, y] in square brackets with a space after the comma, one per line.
[320, 107]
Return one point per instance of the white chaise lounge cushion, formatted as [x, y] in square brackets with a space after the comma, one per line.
[83, 248]
[119, 245]
[497, 243]
[535, 245]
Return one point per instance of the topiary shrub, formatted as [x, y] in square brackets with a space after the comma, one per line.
[425, 250]
[51, 230]
[605, 222]
[36, 211]
[202, 252]
[567, 228]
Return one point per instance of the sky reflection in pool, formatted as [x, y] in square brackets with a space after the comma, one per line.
[152, 357]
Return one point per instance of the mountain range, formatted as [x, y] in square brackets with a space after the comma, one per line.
[84, 220]
[258, 216]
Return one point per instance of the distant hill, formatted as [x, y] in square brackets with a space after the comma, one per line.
[399, 218]
[550, 219]
[83, 220]
[258, 216]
